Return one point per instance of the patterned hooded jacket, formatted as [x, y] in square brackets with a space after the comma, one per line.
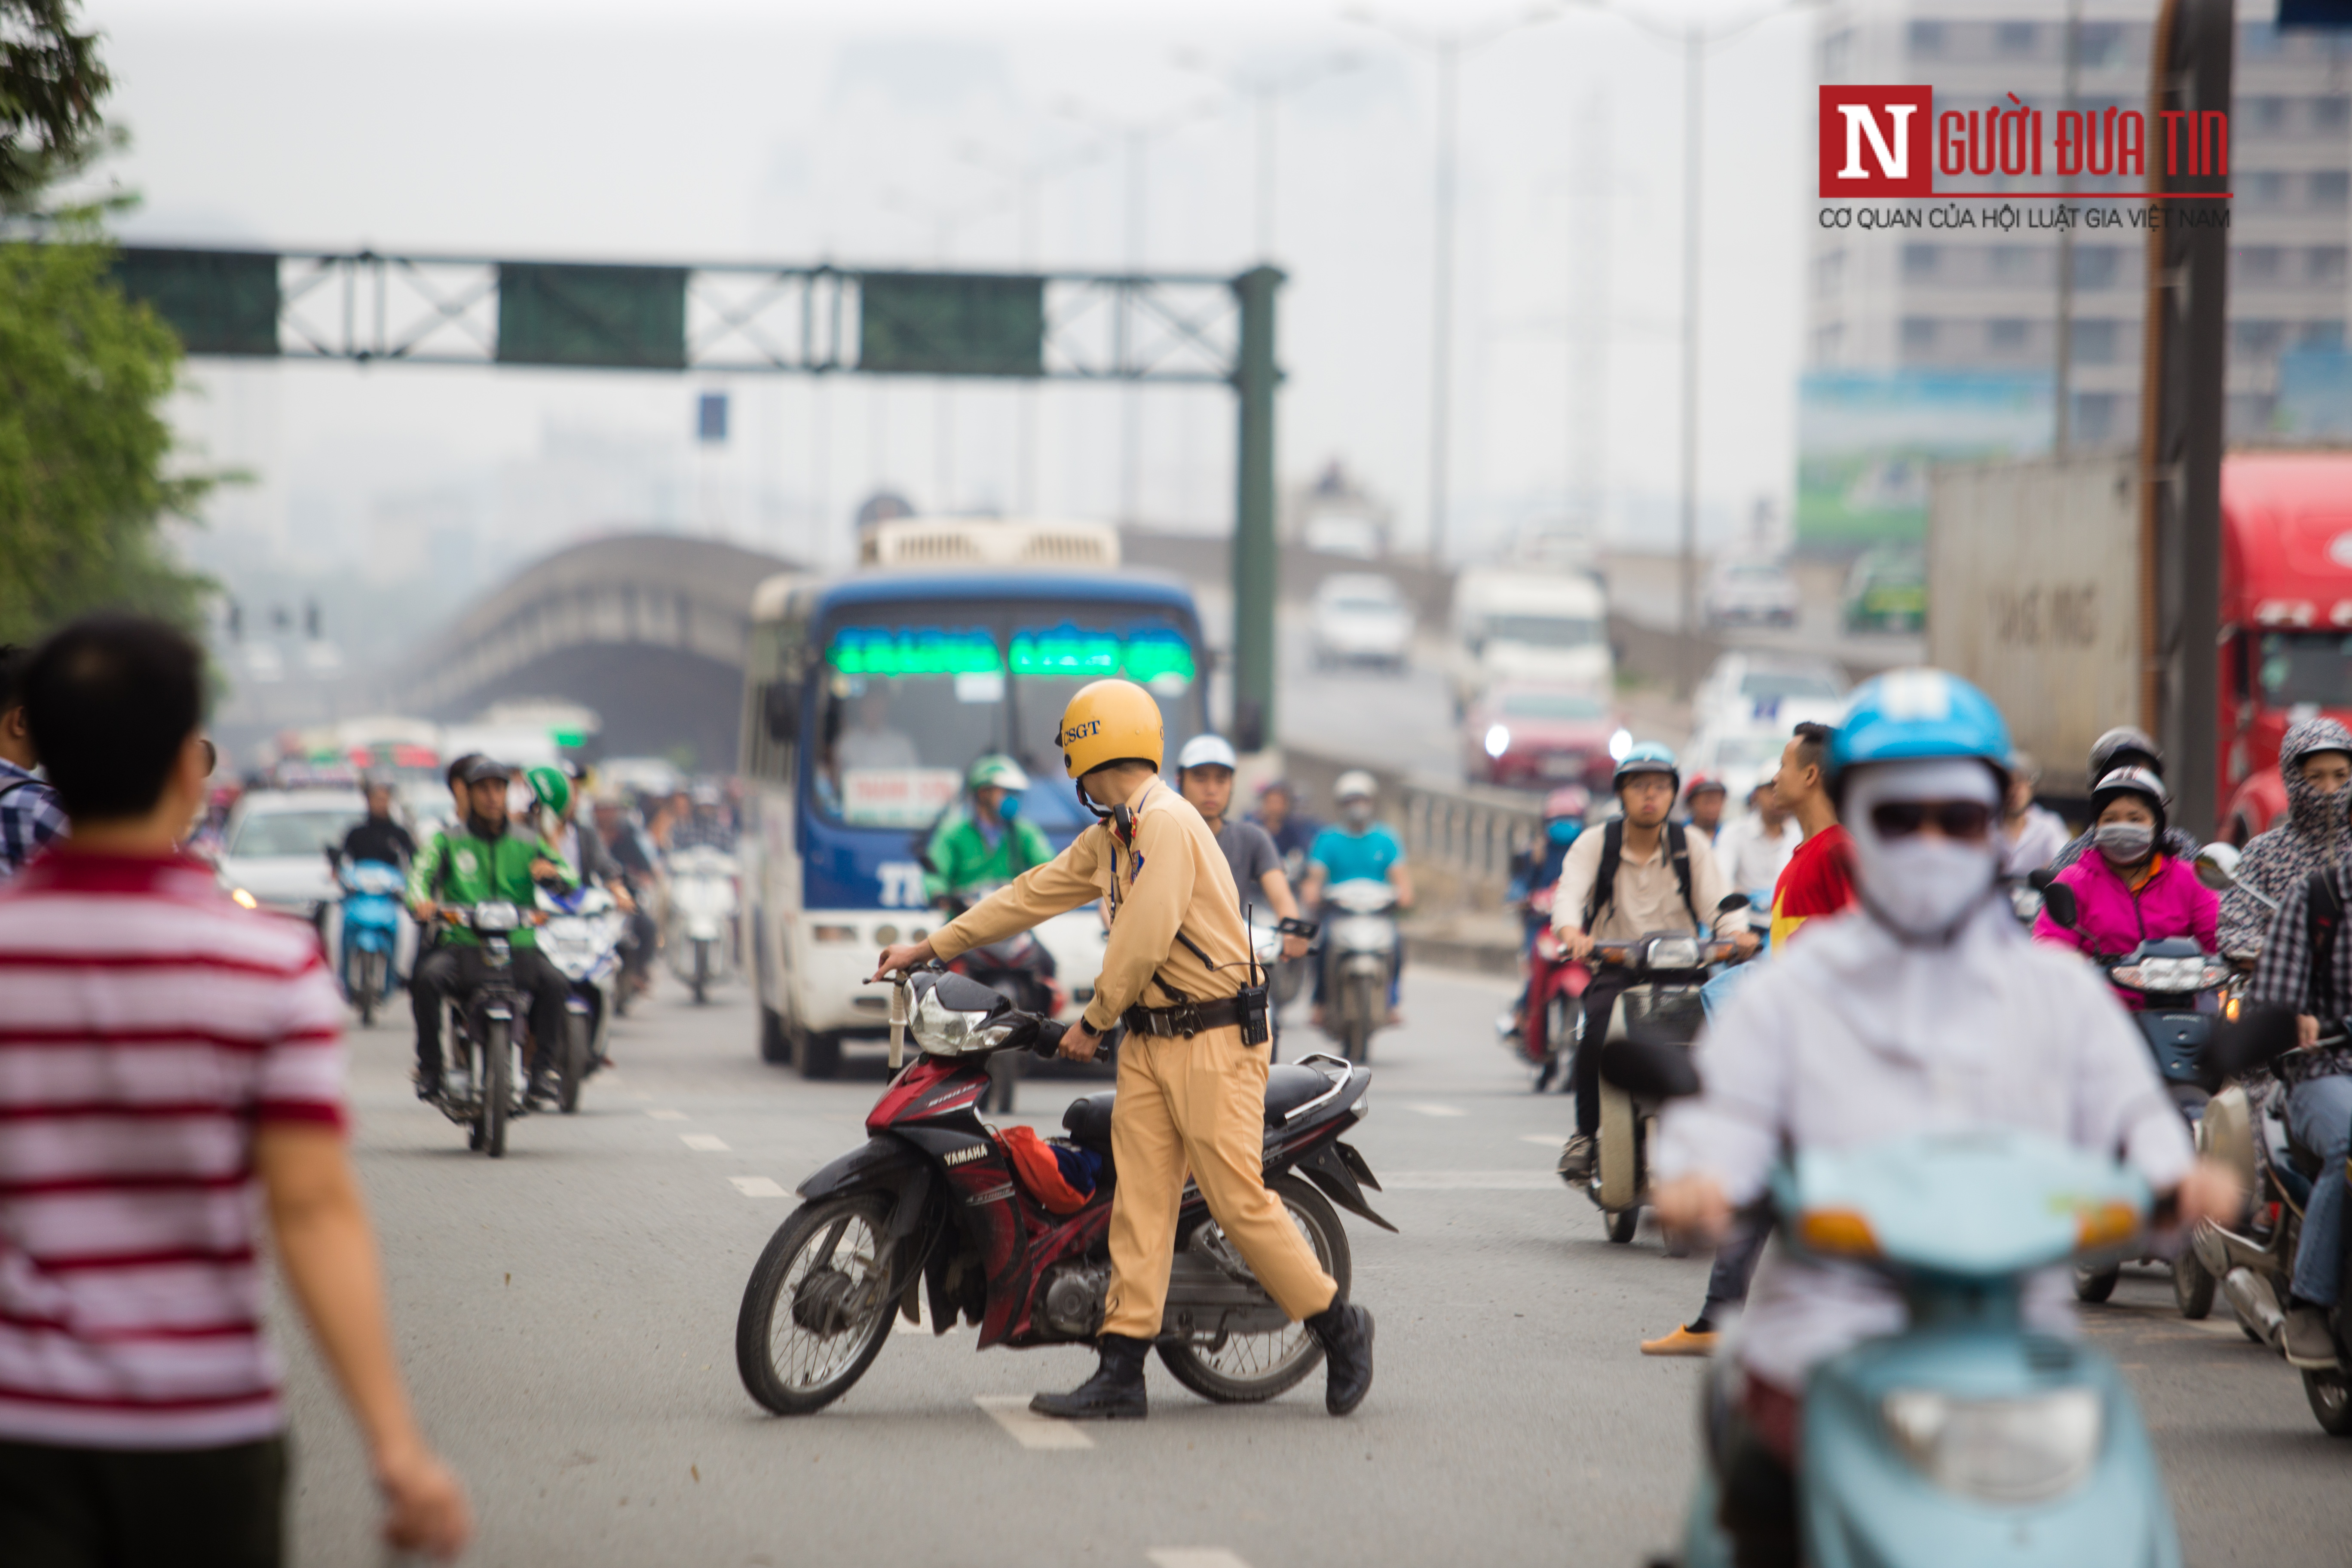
[2312, 835]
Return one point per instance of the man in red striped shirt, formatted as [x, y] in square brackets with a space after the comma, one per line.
[164, 1054]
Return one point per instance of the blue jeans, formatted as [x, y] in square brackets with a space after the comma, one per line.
[1719, 989]
[2319, 1115]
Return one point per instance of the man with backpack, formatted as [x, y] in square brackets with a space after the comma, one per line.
[1639, 874]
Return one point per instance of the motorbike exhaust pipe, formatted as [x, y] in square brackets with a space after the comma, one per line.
[2251, 1297]
[2221, 1250]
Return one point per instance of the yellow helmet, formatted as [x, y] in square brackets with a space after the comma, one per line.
[1109, 721]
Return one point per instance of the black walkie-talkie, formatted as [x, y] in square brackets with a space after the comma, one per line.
[1255, 1000]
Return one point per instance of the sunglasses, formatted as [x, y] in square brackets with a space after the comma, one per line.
[1966, 820]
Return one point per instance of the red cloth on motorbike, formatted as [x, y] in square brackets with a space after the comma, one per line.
[1048, 1172]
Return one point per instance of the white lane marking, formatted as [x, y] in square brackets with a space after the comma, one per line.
[1193, 1557]
[1544, 1140]
[1467, 1181]
[1429, 1107]
[758, 1187]
[667, 1115]
[708, 1142]
[1012, 1412]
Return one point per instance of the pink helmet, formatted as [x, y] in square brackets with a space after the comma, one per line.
[1569, 800]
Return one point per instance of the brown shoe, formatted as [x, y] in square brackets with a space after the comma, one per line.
[1682, 1341]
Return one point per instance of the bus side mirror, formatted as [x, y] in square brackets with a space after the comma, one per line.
[782, 705]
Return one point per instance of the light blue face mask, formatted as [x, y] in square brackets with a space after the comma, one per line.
[1563, 830]
[1009, 807]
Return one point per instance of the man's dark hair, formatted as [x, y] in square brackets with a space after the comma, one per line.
[456, 774]
[110, 700]
[1814, 745]
[13, 660]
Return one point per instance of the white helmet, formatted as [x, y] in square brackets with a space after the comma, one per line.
[1206, 752]
[1355, 783]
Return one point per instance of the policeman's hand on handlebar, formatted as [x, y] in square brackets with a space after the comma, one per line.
[1745, 944]
[1575, 944]
[1080, 1042]
[906, 955]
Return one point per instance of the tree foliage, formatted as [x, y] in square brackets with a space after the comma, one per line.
[52, 80]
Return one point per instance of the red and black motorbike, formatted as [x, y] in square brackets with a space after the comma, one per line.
[1019, 966]
[934, 1203]
[1553, 1002]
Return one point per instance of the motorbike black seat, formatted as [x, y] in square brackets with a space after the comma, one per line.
[1087, 1121]
[1289, 1086]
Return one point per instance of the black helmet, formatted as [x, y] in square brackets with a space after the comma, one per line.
[2116, 748]
[2141, 781]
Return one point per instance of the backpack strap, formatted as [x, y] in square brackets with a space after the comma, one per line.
[2325, 913]
[1678, 846]
[1604, 879]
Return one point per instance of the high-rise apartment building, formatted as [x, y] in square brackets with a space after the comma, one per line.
[1988, 299]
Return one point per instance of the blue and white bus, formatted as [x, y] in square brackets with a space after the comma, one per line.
[868, 696]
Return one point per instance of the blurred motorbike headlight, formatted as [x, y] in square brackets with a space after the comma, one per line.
[2025, 900]
[1499, 740]
[2001, 1450]
[244, 900]
[2169, 974]
[1675, 953]
[942, 1031]
[498, 915]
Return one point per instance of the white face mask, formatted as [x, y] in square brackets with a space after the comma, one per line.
[1919, 887]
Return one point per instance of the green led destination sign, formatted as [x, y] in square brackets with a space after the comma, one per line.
[914, 651]
[1155, 656]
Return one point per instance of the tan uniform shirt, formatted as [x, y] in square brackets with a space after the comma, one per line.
[1175, 876]
[1648, 898]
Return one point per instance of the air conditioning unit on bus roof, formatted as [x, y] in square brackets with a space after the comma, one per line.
[920, 543]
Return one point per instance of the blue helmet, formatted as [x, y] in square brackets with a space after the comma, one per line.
[1649, 757]
[1907, 715]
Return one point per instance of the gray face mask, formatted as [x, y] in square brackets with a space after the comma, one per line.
[2125, 843]
[1357, 813]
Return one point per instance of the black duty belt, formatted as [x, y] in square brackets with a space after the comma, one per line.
[1186, 1019]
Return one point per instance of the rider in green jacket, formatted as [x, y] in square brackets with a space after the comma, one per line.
[983, 842]
[483, 859]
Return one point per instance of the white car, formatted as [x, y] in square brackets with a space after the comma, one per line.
[1772, 692]
[274, 850]
[1751, 593]
[1361, 618]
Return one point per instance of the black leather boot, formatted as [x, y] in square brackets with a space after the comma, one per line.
[1115, 1393]
[1346, 1333]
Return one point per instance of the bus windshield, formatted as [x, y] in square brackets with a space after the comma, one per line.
[913, 695]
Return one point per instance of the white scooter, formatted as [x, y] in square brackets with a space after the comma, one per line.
[702, 906]
[581, 937]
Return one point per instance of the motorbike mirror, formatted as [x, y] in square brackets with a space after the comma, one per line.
[2058, 902]
[2217, 867]
[1649, 1070]
[1733, 902]
[1249, 725]
[2239, 1045]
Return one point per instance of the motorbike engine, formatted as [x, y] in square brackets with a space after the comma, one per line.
[1073, 1298]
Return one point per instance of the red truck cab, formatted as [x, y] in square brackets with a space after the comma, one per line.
[2286, 618]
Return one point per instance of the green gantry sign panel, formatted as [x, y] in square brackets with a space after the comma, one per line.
[616, 317]
[950, 323]
[218, 302]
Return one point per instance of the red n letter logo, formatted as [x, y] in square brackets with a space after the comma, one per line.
[1874, 141]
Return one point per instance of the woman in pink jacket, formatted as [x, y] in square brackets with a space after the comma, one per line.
[2131, 891]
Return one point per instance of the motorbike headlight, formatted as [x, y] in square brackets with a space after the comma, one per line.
[2001, 1450]
[2168, 974]
[1499, 740]
[243, 899]
[498, 915]
[2026, 901]
[942, 1031]
[1675, 953]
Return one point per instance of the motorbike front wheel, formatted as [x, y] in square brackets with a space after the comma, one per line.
[2096, 1284]
[701, 972]
[1247, 1369]
[1623, 1224]
[370, 986]
[2192, 1285]
[496, 1080]
[2331, 1401]
[815, 1315]
[573, 1066]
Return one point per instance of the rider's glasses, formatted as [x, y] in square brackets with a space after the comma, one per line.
[1968, 820]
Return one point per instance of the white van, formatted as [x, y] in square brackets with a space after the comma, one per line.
[1512, 623]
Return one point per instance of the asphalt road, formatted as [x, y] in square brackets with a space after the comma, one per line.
[566, 1318]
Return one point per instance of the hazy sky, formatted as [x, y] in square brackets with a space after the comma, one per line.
[788, 131]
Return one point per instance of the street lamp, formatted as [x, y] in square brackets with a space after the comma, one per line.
[1694, 40]
[1135, 136]
[1266, 91]
[1446, 49]
[944, 221]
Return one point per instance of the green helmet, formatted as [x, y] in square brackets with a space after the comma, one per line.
[553, 790]
[996, 770]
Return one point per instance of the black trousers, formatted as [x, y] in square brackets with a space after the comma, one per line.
[1758, 1509]
[128, 1508]
[1735, 1261]
[452, 971]
[1608, 984]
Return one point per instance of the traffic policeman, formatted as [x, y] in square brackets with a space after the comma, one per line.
[1191, 1087]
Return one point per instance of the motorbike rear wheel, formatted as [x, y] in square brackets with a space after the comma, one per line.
[2192, 1285]
[2096, 1284]
[2331, 1401]
[1248, 1368]
[813, 1315]
[572, 1066]
[1624, 1224]
[496, 1081]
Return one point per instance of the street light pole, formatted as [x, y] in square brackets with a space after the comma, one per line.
[1694, 124]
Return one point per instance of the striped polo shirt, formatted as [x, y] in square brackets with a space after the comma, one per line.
[148, 1026]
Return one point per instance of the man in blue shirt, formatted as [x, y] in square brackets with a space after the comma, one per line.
[1357, 847]
[30, 817]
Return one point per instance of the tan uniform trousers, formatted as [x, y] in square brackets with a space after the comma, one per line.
[1197, 1105]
